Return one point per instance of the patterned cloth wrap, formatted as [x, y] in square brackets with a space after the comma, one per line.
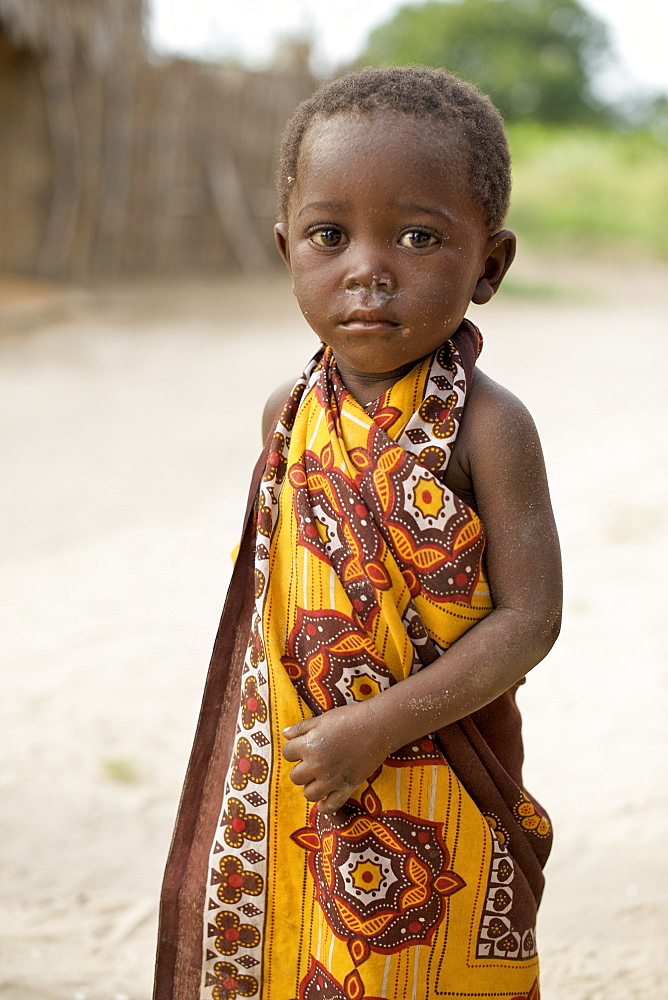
[366, 568]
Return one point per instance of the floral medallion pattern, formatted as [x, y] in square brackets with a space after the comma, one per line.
[253, 706]
[247, 766]
[381, 876]
[438, 412]
[228, 983]
[531, 818]
[332, 661]
[233, 880]
[240, 825]
[231, 934]
[276, 463]
[432, 533]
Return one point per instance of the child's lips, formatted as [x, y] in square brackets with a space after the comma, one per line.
[369, 319]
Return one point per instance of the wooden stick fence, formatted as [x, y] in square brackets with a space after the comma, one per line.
[131, 167]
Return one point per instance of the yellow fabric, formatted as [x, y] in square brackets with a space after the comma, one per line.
[407, 891]
[432, 792]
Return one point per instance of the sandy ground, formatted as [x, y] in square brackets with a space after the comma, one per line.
[130, 424]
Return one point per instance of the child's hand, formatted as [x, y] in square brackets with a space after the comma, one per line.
[336, 751]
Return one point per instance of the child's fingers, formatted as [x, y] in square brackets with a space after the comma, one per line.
[297, 748]
[302, 774]
[299, 728]
[316, 790]
[292, 751]
[332, 803]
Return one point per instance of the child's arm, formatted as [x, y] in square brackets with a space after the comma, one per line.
[499, 449]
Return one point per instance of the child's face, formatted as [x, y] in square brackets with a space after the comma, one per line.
[386, 245]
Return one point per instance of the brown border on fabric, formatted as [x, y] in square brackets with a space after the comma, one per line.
[186, 873]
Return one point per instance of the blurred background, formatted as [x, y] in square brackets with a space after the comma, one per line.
[145, 318]
[141, 139]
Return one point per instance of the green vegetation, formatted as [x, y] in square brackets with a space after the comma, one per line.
[583, 190]
[543, 291]
[535, 58]
[119, 769]
[581, 181]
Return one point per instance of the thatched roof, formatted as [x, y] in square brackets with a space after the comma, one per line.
[99, 29]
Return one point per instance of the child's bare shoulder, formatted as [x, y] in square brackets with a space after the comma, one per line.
[273, 407]
[491, 409]
[497, 444]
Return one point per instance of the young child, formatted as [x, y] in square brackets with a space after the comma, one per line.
[353, 823]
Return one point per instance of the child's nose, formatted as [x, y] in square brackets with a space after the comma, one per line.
[368, 272]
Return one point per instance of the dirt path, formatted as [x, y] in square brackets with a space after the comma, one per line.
[130, 424]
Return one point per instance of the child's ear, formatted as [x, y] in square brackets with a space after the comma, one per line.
[500, 254]
[281, 237]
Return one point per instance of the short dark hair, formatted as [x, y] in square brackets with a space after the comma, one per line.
[418, 92]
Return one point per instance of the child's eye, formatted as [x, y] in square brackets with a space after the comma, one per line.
[417, 239]
[328, 237]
